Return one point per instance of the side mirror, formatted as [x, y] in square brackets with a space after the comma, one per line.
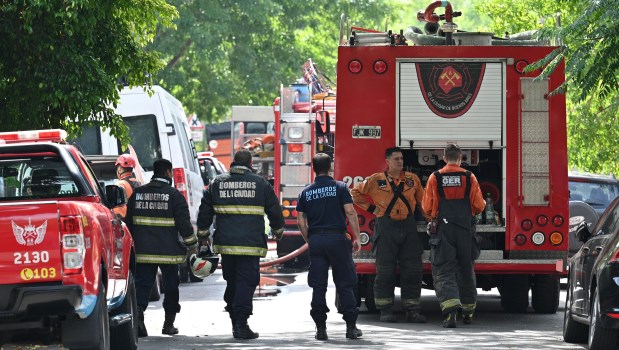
[582, 232]
[323, 123]
[115, 195]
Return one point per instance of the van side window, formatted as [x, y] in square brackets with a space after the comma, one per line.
[90, 141]
[144, 137]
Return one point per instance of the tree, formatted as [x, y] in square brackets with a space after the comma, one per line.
[229, 52]
[590, 50]
[61, 60]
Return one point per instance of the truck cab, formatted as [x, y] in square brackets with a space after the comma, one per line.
[66, 261]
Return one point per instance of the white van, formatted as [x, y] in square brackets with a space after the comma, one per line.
[158, 129]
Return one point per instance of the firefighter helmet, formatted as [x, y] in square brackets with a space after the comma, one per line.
[126, 161]
[204, 263]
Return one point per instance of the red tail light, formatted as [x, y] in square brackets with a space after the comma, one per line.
[527, 225]
[520, 239]
[180, 182]
[380, 67]
[73, 247]
[615, 258]
[542, 220]
[295, 147]
[557, 220]
[354, 66]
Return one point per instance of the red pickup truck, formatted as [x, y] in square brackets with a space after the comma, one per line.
[66, 260]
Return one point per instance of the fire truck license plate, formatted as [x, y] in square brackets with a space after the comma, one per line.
[366, 132]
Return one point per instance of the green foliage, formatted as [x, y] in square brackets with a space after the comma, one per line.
[229, 52]
[589, 47]
[61, 60]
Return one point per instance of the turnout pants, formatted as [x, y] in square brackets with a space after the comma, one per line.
[242, 275]
[145, 276]
[332, 250]
[398, 244]
[453, 251]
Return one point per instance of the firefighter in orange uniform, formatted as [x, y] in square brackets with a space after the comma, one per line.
[395, 194]
[125, 163]
[452, 199]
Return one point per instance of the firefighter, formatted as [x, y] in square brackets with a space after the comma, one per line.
[395, 194]
[322, 211]
[126, 179]
[239, 200]
[158, 218]
[452, 200]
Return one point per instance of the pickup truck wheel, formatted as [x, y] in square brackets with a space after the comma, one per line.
[125, 336]
[93, 332]
[515, 293]
[545, 294]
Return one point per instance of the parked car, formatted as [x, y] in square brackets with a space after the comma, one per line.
[65, 256]
[592, 302]
[590, 195]
[596, 190]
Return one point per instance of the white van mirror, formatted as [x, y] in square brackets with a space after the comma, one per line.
[169, 129]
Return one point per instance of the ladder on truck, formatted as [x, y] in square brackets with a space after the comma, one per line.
[295, 143]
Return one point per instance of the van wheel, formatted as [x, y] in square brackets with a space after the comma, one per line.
[125, 336]
[515, 293]
[92, 332]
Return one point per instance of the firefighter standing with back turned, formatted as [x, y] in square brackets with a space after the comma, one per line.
[157, 214]
[322, 211]
[395, 193]
[452, 200]
[126, 179]
[239, 200]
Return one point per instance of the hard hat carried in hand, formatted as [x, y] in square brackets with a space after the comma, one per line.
[126, 161]
[204, 263]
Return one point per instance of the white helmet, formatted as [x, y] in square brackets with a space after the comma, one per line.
[204, 264]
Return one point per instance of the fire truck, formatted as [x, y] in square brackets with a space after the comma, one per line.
[421, 91]
[304, 124]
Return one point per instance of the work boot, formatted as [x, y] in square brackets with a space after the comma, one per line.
[168, 324]
[321, 332]
[414, 316]
[242, 331]
[352, 332]
[467, 317]
[387, 315]
[142, 332]
[450, 319]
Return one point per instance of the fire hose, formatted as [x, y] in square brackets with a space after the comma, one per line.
[287, 257]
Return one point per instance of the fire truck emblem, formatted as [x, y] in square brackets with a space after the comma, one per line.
[450, 89]
[29, 235]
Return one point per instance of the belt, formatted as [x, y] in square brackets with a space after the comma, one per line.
[327, 231]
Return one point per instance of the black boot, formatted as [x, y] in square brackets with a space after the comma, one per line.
[352, 332]
[141, 326]
[168, 324]
[450, 319]
[321, 332]
[241, 330]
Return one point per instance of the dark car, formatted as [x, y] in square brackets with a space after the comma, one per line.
[594, 189]
[592, 302]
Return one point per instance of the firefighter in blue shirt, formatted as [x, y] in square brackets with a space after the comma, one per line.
[322, 211]
[239, 200]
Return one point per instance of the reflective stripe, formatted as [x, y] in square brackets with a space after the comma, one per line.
[239, 209]
[469, 308]
[190, 240]
[159, 259]
[450, 304]
[240, 250]
[383, 301]
[408, 303]
[153, 221]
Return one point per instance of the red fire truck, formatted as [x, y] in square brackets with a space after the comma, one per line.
[470, 89]
[304, 125]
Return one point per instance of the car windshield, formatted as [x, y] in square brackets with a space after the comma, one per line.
[144, 137]
[597, 194]
[35, 177]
